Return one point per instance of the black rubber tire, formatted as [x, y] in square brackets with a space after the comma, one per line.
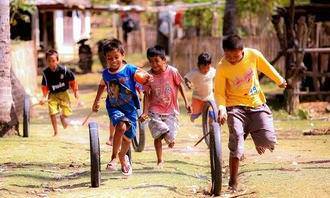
[205, 121]
[213, 140]
[95, 154]
[26, 116]
[139, 140]
[216, 159]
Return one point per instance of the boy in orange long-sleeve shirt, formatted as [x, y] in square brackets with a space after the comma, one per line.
[238, 93]
[56, 80]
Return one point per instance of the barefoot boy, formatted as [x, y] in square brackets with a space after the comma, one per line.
[56, 80]
[161, 101]
[239, 95]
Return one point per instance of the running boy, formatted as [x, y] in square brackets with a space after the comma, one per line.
[201, 81]
[122, 102]
[239, 95]
[56, 80]
[161, 102]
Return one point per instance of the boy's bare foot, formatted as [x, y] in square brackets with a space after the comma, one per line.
[171, 145]
[160, 164]
[232, 187]
[112, 165]
[55, 134]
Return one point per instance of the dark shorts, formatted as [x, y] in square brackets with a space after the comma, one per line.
[117, 116]
[255, 121]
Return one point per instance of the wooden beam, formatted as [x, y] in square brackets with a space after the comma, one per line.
[312, 93]
[324, 49]
[309, 73]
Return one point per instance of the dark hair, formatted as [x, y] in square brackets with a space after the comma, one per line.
[204, 59]
[51, 52]
[113, 44]
[156, 51]
[232, 42]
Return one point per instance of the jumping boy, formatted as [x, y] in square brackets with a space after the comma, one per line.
[56, 80]
[161, 101]
[200, 79]
[119, 79]
[239, 95]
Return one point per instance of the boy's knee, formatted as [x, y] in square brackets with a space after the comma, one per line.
[121, 128]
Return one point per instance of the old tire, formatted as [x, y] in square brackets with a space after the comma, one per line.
[216, 159]
[138, 141]
[26, 116]
[95, 154]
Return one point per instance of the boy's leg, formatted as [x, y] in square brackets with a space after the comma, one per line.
[233, 172]
[112, 132]
[120, 129]
[64, 121]
[262, 129]
[54, 124]
[236, 122]
[197, 108]
[126, 143]
[173, 125]
[64, 103]
[159, 150]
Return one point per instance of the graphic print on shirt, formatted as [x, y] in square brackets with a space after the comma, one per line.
[118, 94]
[163, 94]
[247, 77]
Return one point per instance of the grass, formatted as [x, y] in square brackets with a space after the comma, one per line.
[41, 165]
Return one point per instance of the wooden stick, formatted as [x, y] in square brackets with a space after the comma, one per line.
[202, 138]
[87, 117]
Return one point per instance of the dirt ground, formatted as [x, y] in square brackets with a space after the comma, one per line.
[46, 166]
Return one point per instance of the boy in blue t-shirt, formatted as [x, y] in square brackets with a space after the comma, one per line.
[122, 102]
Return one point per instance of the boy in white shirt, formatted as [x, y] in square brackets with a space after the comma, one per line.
[200, 80]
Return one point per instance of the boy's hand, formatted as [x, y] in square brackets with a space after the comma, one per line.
[143, 117]
[149, 78]
[188, 108]
[76, 95]
[96, 106]
[222, 116]
[283, 85]
[43, 100]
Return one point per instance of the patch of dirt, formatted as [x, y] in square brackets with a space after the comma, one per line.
[317, 110]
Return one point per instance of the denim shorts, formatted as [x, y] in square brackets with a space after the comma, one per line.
[117, 115]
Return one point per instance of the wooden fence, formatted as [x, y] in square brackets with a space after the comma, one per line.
[185, 52]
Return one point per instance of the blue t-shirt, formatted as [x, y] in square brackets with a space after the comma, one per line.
[121, 88]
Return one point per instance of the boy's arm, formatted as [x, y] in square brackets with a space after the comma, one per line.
[182, 92]
[144, 115]
[265, 67]
[100, 90]
[220, 95]
[74, 86]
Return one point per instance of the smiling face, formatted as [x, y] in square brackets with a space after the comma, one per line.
[158, 65]
[52, 61]
[114, 60]
[234, 56]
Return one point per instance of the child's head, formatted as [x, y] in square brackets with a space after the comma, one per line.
[204, 62]
[114, 54]
[157, 59]
[52, 59]
[233, 48]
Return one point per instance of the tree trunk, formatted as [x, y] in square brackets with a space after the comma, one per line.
[229, 18]
[6, 99]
